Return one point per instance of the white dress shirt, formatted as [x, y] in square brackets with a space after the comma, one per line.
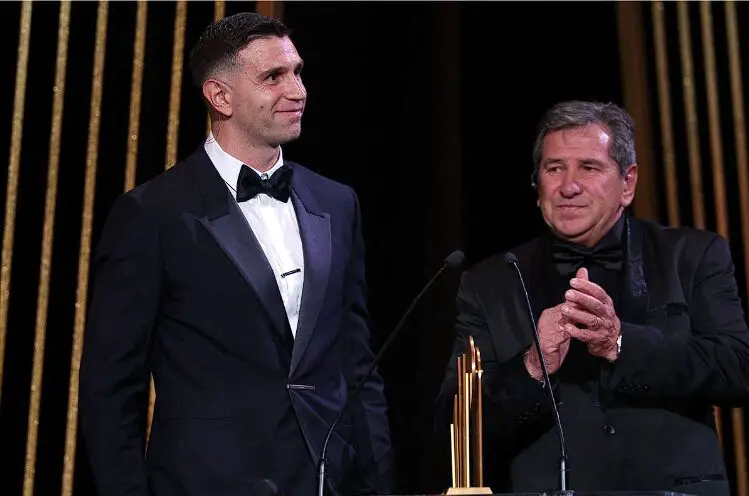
[275, 226]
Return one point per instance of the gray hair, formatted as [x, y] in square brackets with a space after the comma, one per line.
[567, 115]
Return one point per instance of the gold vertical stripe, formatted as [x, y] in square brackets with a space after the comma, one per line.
[265, 8]
[270, 8]
[664, 106]
[176, 88]
[46, 256]
[690, 110]
[739, 124]
[178, 50]
[716, 146]
[718, 419]
[739, 449]
[742, 167]
[24, 36]
[637, 101]
[135, 95]
[219, 11]
[84, 255]
[135, 106]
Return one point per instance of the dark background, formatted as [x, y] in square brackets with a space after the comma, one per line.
[428, 110]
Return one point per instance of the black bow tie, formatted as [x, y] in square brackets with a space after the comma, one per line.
[568, 258]
[249, 184]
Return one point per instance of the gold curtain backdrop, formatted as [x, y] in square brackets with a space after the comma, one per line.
[698, 174]
[682, 80]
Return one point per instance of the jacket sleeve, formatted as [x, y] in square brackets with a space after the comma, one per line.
[114, 375]
[709, 360]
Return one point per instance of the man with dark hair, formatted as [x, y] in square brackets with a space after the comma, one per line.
[237, 279]
[641, 329]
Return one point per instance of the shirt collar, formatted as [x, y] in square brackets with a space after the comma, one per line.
[228, 166]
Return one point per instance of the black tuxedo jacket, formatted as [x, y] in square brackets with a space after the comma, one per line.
[184, 291]
[642, 423]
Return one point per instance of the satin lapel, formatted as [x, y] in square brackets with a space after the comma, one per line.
[226, 223]
[314, 229]
[543, 287]
[635, 296]
[534, 265]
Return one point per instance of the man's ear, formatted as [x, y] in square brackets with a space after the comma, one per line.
[218, 95]
[630, 184]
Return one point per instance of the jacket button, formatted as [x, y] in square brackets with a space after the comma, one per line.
[609, 429]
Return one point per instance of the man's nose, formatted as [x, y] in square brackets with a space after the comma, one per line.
[295, 89]
[570, 186]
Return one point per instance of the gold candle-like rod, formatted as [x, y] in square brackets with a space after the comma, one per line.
[479, 422]
[467, 425]
[452, 450]
[460, 424]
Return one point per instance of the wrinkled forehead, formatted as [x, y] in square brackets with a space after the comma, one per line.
[591, 139]
[269, 52]
[592, 134]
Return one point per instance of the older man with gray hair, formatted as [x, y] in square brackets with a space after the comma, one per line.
[640, 326]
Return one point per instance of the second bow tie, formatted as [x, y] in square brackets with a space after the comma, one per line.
[249, 184]
[568, 258]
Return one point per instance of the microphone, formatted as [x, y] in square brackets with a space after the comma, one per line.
[453, 260]
[512, 260]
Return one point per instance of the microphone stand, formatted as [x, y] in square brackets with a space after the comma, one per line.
[453, 260]
[512, 260]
